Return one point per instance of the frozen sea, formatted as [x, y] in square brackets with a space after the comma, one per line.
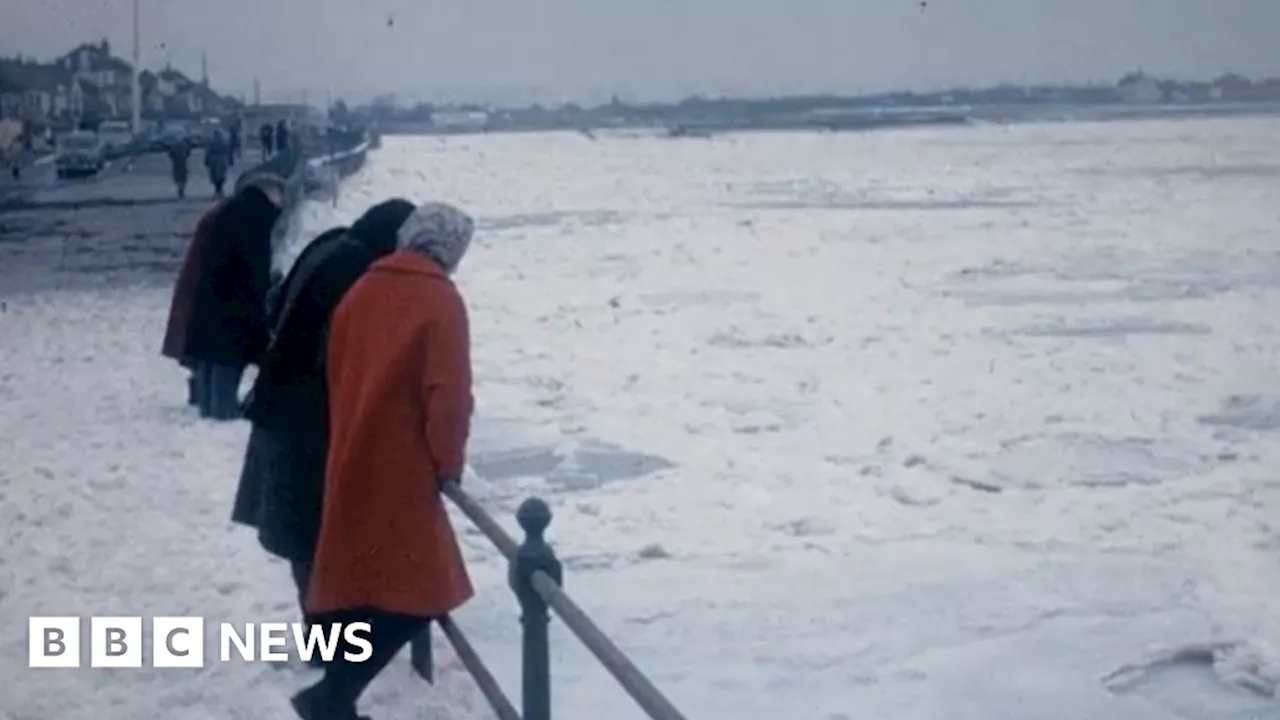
[931, 424]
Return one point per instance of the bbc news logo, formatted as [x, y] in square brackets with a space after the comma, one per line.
[178, 642]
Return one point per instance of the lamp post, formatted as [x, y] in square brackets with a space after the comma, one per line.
[137, 71]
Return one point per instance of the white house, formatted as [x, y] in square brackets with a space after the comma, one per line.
[1140, 88]
[459, 120]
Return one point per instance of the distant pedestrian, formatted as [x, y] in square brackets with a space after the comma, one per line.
[217, 159]
[267, 134]
[227, 327]
[179, 159]
[10, 156]
[233, 141]
[400, 403]
[282, 481]
[282, 136]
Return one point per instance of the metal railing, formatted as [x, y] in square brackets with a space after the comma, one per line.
[536, 576]
[308, 173]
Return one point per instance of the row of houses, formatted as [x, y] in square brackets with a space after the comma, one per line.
[90, 83]
[1139, 87]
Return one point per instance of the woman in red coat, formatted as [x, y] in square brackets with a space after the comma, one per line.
[399, 377]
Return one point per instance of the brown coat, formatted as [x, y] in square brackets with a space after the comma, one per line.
[184, 290]
[399, 377]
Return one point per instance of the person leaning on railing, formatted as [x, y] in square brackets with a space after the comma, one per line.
[282, 479]
[400, 403]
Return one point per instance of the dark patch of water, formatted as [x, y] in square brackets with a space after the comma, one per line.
[1186, 682]
[1246, 412]
[581, 468]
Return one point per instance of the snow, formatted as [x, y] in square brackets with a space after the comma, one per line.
[962, 423]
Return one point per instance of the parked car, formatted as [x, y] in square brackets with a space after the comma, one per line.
[116, 137]
[207, 128]
[174, 133]
[80, 153]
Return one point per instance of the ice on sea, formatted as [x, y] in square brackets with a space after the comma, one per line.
[962, 423]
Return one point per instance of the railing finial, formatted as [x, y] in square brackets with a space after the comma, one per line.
[532, 557]
[534, 517]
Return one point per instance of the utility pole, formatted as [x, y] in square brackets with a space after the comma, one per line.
[137, 69]
[257, 92]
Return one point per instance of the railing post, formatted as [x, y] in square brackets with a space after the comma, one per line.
[534, 555]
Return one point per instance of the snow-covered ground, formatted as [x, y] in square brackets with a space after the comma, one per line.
[930, 424]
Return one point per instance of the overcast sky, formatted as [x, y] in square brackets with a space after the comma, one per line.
[517, 50]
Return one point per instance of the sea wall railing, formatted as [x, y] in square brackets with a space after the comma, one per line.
[313, 170]
[536, 577]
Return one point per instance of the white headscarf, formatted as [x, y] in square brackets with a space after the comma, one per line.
[440, 231]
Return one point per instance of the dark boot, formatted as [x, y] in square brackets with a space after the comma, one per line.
[311, 704]
[221, 391]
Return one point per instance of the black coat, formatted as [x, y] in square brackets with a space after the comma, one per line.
[282, 482]
[228, 324]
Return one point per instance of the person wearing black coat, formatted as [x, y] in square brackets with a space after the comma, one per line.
[282, 136]
[267, 134]
[282, 481]
[227, 330]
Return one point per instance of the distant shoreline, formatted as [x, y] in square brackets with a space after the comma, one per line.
[872, 118]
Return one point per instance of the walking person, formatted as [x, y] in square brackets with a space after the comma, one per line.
[282, 136]
[399, 382]
[282, 480]
[179, 159]
[226, 330]
[217, 159]
[267, 135]
[233, 140]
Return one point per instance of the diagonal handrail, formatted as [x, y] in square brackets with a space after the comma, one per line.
[535, 576]
[471, 661]
[482, 520]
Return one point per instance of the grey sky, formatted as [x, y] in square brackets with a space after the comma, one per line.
[583, 49]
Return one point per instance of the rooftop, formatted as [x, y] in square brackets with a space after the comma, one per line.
[20, 75]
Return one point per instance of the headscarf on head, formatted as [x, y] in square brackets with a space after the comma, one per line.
[377, 228]
[261, 180]
[440, 231]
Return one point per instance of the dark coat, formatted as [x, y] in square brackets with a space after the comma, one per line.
[282, 482]
[264, 455]
[179, 155]
[228, 316]
[184, 290]
[217, 159]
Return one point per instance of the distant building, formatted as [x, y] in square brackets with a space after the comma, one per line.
[1139, 87]
[38, 92]
[459, 120]
[89, 83]
[179, 95]
[295, 113]
[93, 65]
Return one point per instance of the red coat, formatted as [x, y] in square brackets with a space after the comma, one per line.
[184, 290]
[399, 376]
